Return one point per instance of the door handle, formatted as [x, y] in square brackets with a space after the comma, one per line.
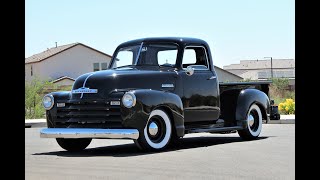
[212, 78]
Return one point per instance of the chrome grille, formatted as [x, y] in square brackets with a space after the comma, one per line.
[88, 112]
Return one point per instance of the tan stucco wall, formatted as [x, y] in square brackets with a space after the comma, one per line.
[27, 68]
[72, 63]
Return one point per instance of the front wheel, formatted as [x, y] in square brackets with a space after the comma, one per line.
[73, 144]
[254, 123]
[156, 133]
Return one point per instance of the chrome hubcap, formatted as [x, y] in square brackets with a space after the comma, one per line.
[251, 120]
[153, 129]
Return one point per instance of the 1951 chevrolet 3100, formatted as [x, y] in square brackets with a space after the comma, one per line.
[154, 92]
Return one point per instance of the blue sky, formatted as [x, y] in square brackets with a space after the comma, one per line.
[235, 29]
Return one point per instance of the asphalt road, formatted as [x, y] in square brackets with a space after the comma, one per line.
[198, 156]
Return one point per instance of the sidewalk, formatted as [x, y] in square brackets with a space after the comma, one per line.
[284, 119]
[28, 123]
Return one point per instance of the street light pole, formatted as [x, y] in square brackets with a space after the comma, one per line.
[271, 67]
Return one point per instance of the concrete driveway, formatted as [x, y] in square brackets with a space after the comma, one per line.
[198, 156]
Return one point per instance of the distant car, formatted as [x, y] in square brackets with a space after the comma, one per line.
[155, 91]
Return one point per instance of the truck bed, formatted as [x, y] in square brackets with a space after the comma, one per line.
[261, 85]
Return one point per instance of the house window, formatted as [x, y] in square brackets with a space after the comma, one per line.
[31, 71]
[104, 66]
[96, 67]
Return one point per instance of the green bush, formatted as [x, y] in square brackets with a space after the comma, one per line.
[279, 86]
[279, 93]
[34, 91]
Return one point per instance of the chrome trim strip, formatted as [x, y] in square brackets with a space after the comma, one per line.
[212, 77]
[84, 84]
[89, 133]
[167, 85]
[136, 61]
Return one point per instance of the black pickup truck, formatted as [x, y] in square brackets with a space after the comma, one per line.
[155, 91]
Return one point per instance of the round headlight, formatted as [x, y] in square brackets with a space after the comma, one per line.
[48, 102]
[129, 100]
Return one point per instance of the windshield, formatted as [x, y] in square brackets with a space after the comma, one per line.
[146, 55]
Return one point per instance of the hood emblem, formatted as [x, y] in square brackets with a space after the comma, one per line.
[84, 90]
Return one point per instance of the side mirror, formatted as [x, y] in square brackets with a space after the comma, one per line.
[189, 71]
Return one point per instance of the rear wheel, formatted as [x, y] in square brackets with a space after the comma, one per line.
[254, 123]
[157, 133]
[74, 144]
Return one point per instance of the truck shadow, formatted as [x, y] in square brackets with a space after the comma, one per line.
[126, 150]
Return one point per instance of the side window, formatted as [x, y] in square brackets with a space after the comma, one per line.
[96, 67]
[195, 56]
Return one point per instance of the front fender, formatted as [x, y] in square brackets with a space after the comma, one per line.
[61, 95]
[148, 100]
[245, 99]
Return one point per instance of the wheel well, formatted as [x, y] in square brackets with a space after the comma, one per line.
[228, 105]
[169, 113]
[263, 111]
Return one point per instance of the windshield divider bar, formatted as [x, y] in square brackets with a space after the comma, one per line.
[136, 61]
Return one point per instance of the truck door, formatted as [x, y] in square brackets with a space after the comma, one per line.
[200, 89]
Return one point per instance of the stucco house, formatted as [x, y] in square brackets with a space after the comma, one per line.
[63, 64]
[226, 76]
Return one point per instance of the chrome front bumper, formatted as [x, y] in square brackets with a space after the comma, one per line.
[89, 133]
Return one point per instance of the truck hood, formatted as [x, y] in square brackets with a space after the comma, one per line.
[108, 81]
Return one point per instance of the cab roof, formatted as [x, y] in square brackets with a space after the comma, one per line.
[179, 40]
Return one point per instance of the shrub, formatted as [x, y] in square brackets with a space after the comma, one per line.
[34, 91]
[282, 96]
[279, 86]
[246, 80]
[287, 107]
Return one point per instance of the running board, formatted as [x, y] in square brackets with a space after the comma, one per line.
[213, 129]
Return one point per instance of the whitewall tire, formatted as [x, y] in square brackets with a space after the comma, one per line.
[254, 123]
[157, 132]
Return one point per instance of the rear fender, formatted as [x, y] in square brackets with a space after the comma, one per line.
[245, 99]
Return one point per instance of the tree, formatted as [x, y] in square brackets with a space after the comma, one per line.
[34, 91]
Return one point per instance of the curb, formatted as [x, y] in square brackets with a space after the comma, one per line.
[33, 123]
[282, 121]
